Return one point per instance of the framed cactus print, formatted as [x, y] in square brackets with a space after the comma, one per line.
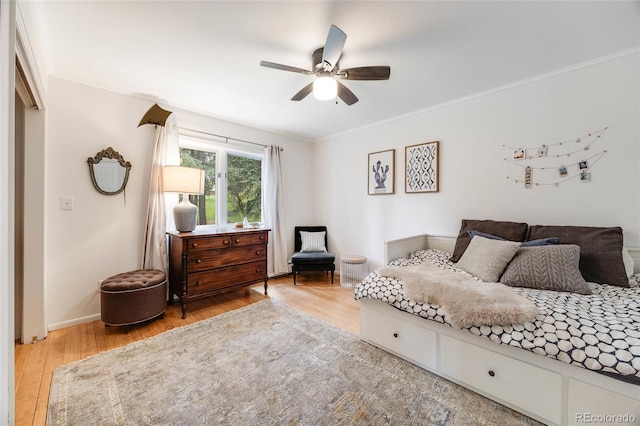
[381, 172]
[421, 167]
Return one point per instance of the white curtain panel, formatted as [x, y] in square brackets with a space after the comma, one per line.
[273, 206]
[159, 205]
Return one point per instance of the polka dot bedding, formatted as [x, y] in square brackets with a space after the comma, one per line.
[599, 332]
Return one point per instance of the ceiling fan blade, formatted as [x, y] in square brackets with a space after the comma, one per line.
[284, 67]
[333, 47]
[366, 73]
[303, 92]
[346, 95]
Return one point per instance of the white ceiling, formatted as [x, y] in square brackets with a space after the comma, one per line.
[204, 56]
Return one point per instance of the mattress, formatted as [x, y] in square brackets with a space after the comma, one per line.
[599, 332]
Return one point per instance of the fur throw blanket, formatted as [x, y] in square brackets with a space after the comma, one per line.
[465, 301]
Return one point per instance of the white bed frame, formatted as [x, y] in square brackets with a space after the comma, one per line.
[545, 389]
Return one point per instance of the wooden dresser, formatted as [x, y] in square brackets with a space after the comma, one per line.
[210, 261]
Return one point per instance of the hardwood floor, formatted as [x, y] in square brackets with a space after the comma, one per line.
[35, 362]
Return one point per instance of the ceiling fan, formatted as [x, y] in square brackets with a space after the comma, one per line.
[326, 68]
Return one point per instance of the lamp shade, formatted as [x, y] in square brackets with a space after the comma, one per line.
[185, 180]
[325, 88]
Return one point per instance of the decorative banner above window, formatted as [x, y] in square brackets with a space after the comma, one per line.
[155, 115]
[560, 172]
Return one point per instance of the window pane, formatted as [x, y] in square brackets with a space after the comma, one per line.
[206, 203]
[244, 189]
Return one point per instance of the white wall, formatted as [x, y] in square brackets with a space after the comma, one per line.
[103, 234]
[473, 180]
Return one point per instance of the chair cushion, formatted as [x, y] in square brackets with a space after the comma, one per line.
[318, 257]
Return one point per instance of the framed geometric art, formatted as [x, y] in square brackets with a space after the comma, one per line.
[421, 167]
[381, 172]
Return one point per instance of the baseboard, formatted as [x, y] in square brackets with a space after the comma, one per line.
[75, 321]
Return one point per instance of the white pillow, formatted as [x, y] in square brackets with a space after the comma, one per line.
[487, 259]
[312, 242]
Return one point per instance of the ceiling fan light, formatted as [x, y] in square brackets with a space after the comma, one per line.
[325, 88]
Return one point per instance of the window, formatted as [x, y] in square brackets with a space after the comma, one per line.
[244, 189]
[206, 203]
[233, 181]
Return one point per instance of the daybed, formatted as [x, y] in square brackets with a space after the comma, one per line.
[576, 362]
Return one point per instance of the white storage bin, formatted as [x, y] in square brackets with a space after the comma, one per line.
[353, 269]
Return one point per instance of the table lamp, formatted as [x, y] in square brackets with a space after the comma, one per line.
[184, 180]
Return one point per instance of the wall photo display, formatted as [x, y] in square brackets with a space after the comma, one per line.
[542, 166]
[381, 172]
[422, 168]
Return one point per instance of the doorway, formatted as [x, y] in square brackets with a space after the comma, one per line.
[19, 130]
[29, 206]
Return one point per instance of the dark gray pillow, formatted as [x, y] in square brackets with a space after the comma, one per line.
[541, 242]
[600, 250]
[547, 268]
[512, 231]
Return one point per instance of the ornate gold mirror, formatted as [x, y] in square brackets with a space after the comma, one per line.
[109, 171]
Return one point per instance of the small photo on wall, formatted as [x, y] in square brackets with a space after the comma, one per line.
[563, 171]
[519, 154]
[585, 177]
[583, 165]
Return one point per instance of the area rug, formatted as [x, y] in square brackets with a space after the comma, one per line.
[265, 364]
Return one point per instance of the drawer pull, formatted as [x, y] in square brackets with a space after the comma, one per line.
[194, 245]
[197, 283]
[258, 252]
[395, 335]
[225, 242]
[237, 240]
[262, 237]
[199, 261]
[492, 373]
[258, 270]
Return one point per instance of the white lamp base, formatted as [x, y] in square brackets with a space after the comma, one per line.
[185, 215]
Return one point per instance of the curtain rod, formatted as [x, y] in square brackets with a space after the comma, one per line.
[226, 138]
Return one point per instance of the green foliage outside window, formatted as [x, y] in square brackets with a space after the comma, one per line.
[244, 189]
[206, 203]
[244, 186]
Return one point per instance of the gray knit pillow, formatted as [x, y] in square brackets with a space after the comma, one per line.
[486, 258]
[547, 268]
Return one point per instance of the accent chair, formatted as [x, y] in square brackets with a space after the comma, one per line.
[310, 251]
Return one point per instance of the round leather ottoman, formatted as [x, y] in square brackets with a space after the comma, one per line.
[133, 297]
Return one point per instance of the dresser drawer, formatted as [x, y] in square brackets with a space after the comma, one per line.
[249, 239]
[208, 243]
[534, 389]
[409, 341]
[202, 282]
[203, 260]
